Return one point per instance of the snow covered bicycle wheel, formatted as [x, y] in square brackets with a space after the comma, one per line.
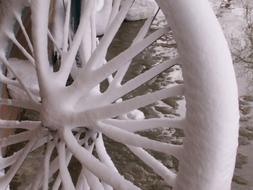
[75, 114]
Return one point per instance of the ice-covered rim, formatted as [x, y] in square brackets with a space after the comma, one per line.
[207, 156]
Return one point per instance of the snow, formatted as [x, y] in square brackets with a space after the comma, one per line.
[141, 9]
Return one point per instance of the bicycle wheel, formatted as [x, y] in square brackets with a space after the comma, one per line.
[75, 114]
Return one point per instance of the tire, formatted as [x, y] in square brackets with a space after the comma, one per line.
[75, 114]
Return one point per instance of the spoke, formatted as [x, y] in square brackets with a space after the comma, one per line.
[70, 56]
[64, 172]
[20, 22]
[57, 13]
[5, 180]
[10, 160]
[140, 36]
[136, 140]
[12, 37]
[98, 56]
[54, 166]
[49, 151]
[116, 109]
[117, 92]
[106, 186]
[57, 183]
[146, 124]
[40, 10]
[104, 157]
[102, 153]
[6, 80]
[15, 139]
[58, 180]
[81, 142]
[54, 42]
[66, 26]
[20, 104]
[20, 80]
[92, 180]
[92, 78]
[89, 41]
[82, 183]
[103, 172]
[128, 54]
[13, 124]
[114, 12]
[86, 178]
[94, 39]
[157, 166]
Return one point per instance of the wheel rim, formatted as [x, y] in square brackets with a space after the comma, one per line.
[199, 48]
[65, 108]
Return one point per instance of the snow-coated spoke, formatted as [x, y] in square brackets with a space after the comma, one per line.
[48, 154]
[70, 56]
[115, 93]
[54, 42]
[23, 29]
[5, 180]
[146, 124]
[92, 180]
[54, 166]
[57, 183]
[10, 160]
[140, 36]
[102, 153]
[114, 12]
[16, 138]
[89, 41]
[66, 25]
[20, 47]
[20, 104]
[6, 80]
[20, 80]
[113, 65]
[104, 157]
[116, 109]
[128, 54]
[99, 54]
[40, 10]
[146, 76]
[64, 172]
[82, 183]
[102, 171]
[136, 140]
[156, 165]
[13, 124]
[58, 180]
